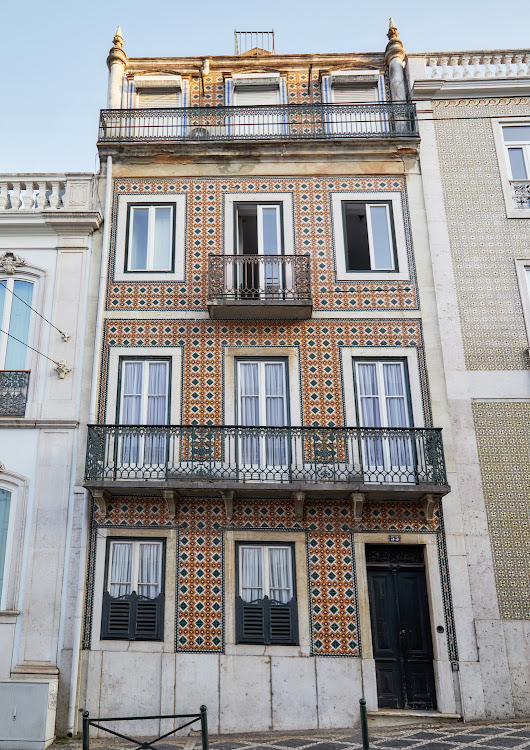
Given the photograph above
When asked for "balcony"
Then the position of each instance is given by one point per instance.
(259, 287)
(13, 392)
(388, 463)
(266, 122)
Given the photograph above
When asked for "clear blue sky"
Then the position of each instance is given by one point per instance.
(53, 54)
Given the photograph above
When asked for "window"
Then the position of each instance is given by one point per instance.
(158, 98)
(133, 602)
(383, 402)
(368, 236)
(150, 237)
(266, 609)
(517, 143)
(5, 507)
(258, 90)
(15, 298)
(258, 229)
(143, 401)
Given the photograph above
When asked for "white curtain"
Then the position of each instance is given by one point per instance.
(279, 574)
(5, 503)
(149, 578)
(162, 249)
(155, 445)
(396, 409)
(249, 410)
(131, 411)
(275, 412)
(370, 411)
(251, 573)
(121, 569)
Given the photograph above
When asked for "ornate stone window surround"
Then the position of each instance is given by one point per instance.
(178, 274)
(156, 352)
(380, 353)
(230, 200)
(394, 198)
(301, 573)
(512, 212)
(17, 485)
(522, 268)
(168, 644)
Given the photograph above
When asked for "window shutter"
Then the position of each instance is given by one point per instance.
(149, 619)
(250, 623)
(158, 99)
(116, 617)
(252, 96)
(354, 94)
(284, 623)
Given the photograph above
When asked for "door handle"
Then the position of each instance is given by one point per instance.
(403, 632)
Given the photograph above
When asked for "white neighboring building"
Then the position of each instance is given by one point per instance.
(46, 256)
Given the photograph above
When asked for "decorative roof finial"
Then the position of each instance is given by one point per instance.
(117, 54)
(392, 30)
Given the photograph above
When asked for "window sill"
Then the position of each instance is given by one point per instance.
(8, 616)
(255, 649)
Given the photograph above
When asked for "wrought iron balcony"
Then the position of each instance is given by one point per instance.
(259, 286)
(324, 460)
(265, 122)
(13, 392)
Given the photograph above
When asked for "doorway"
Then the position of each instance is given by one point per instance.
(401, 628)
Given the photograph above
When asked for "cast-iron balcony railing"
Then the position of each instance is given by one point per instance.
(265, 122)
(13, 392)
(260, 286)
(326, 457)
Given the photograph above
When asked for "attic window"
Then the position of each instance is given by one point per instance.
(354, 86)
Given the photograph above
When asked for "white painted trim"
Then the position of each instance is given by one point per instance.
(504, 166)
(180, 239)
(147, 352)
(286, 199)
(522, 268)
(410, 354)
(262, 352)
(17, 485)
(394, 198)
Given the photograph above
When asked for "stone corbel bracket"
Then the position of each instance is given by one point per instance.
(429, 503)
(298, 502)
(62, 369)
(171, 498)
(228, 498)
(101, 498)
(357, 501)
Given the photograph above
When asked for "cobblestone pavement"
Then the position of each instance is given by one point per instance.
(490, 736)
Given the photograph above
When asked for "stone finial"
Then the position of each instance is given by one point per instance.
(116, 53)
(392, 32)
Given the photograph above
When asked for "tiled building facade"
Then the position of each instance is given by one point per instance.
(266, 460)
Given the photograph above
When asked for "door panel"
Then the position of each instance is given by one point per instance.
(401, 631)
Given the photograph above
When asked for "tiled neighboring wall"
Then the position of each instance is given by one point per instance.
(503, 431)
(484, 242)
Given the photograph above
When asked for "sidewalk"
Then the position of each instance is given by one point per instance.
(488, 736)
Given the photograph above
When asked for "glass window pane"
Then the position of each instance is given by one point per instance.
(138, 242)
(132, 393)
(356, 237)
(251, 573)
(5, 503)
(271, 241)
(3, 293)
(280, 574)
(162, 249)
(382, 247)
(149, 574)
(19, 326)
(517, 164)
(516, 133)
(121, 568)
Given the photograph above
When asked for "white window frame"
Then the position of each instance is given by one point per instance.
(119, 353)
(382, 396)
(259, 213)
(265, 566)
(18, 486)
(402, 271)
(522, 267)
(135, 570)
(179, 238)
(371, 249)
(5, 318)
(261, 362)
(286, 215)
(144, 396)
(151, 224)
(512, 212)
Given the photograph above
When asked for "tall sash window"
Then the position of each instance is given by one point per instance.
(15, 297)
(262, 402)
(5, 506)
(259, 233)
(383, 401)
(144, 401)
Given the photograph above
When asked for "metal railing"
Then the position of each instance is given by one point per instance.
(276, 122)
(145, 744)
(266, 454)
(13, 392)
(521, 193)
(268, 278)
(245, 41)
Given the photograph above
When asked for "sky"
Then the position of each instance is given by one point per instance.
(54, 73)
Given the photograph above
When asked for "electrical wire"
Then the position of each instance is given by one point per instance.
(35, 311)
(28, 346)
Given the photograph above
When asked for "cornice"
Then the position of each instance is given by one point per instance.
(458, 88)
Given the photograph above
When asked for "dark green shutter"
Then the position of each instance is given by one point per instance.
(266, 622)
(130, 618)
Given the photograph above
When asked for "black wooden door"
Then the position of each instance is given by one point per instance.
(401, 629)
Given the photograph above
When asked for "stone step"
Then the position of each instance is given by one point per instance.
(396, 717)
